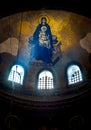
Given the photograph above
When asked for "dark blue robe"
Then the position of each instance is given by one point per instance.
(41, 52)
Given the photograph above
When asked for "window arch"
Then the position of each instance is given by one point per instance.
(16, 74)
(45, 80)
(74, 74)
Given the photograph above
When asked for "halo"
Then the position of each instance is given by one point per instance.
(47, 18)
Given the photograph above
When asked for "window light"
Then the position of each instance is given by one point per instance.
(74, 74)
(16, 74)
(45, 80)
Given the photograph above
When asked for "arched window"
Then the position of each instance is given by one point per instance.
(74, 74)
(45, 80)
(16, 74)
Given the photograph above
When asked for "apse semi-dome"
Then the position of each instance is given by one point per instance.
(44, 55)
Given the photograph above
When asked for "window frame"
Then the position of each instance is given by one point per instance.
(81, 70)
(24, 77)
(37, 78)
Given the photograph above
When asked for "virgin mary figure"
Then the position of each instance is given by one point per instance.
(43, 42)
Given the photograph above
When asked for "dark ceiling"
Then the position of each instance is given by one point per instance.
(78, 6)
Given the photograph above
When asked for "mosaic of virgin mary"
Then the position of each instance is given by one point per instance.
(42, 43)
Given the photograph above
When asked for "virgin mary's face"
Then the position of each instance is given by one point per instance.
(43, 21)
